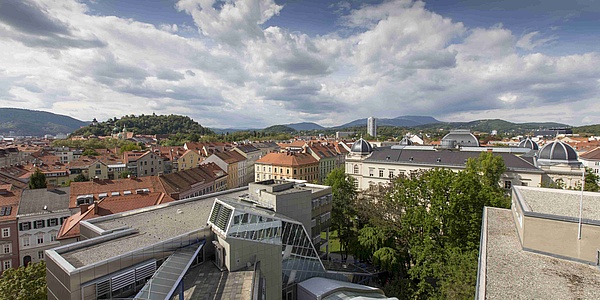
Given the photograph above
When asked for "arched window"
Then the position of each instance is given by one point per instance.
(355, 169)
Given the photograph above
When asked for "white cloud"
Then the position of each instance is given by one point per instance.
(393, 59)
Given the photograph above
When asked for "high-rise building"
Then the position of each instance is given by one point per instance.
(372, 126)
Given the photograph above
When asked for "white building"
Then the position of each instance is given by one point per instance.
(41, 213)
(372, 126)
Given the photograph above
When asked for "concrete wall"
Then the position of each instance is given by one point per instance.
(238, 253)
(561, 238)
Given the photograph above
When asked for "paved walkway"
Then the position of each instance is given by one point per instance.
(206, 281)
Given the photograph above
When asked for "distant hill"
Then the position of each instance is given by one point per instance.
(588, 129)
(305, 126)
(279, 128)
(488, 125)
(145, 124)
(402, 121)
(25, 122)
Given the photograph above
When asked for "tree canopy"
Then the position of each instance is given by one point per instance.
(37, 180)
(145, 124)
(425, 228)
(343, 207)
(24, 283)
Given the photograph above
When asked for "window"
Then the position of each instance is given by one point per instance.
(39, 224)
(97, 166)
(24, 226)
(52, 222)
(98, 172)
(40, 238)
(52, 237)
(391, 173)
(41, 254)
(356, 183)
(355, 169)
(7, 264)
(380, 172)
(371, 170)
(7, 248)
(5, 232)
(25, 241)
(507, 184)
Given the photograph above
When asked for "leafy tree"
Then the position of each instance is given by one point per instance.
(24, 283)
(90, 152)
(425, 228)
(80, 178)
(124, 174)
(37, 180)
(343, 212)
(129, 147)
(591, 181)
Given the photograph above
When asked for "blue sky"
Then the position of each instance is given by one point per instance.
(256, 63)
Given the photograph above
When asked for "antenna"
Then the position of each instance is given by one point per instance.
(581, 202)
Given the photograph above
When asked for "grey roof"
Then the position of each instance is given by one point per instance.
(463, 137)
(154, 224)
(361, 146)
(528, 143)
(321, 287)
(33, 201)
(247, 148)
(511, 273)
(558, 152)
(562, 203)
(442, 158)
(406, 141)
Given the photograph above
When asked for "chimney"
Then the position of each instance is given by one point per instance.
(96, 207)
(84, 208)
(50, 187)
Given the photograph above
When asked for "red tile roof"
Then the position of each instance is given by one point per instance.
(184, 180)
(108, 186)
(9, 197)
(230, 157)
(288, 159)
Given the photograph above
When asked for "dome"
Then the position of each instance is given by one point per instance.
(557, 152)
(528, 143)
(406, 141)
(461, 137)
(361, 146)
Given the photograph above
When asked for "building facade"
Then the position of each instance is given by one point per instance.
(372, 126)
(288, 165)
(40, 215)
(9, 235)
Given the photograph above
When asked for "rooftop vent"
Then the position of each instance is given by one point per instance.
(114, 194)
(127, 193)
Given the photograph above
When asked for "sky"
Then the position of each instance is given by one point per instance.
(256, 63)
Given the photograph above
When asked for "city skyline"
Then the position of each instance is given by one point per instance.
(262, 62)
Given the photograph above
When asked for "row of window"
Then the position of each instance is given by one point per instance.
(24, 226)
(287, 170)
(39, 238)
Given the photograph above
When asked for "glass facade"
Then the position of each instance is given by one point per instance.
(300, 260)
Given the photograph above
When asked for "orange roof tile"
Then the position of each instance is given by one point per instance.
(288, 159)
(108, 186)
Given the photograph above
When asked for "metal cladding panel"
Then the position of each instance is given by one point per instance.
(123, 280)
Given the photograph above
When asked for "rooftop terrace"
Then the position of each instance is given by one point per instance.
(564, 202)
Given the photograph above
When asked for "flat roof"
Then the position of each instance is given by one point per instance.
(154, 224)
(564, 203)
(511, 273)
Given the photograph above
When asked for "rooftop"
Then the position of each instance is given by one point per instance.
(34, 201)
(539, 276)
(288, 159)
(153, 224)
(566, 205)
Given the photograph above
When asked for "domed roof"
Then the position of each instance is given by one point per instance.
(462, 137)
(557, 152)
(361, 146)
(406, 141)
(528, 143)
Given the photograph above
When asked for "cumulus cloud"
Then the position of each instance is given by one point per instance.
(389, 59)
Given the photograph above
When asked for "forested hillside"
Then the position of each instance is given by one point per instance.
(36, 123)
(145, 124)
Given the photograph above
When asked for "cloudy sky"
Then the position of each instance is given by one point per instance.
(256, 63)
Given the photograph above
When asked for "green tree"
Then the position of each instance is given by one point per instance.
(129, 147)
(124, 174)
(90, 152)
(591, 181)
(37, 180)
(343, 214)
(24, 283)
(80, 178)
